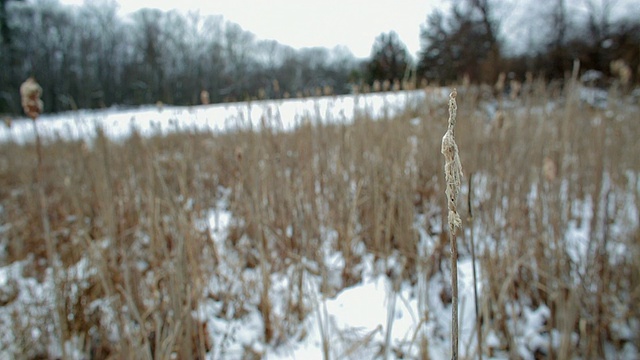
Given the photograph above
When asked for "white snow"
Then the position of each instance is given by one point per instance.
(151, 120)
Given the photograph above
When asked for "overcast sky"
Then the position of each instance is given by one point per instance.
(356, 23)
(305, 23)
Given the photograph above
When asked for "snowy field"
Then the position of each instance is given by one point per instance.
(379, 317)
(158, 120)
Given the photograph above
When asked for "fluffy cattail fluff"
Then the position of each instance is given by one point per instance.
(30, 93)
(452, 166)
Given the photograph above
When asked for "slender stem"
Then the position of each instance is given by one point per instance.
(454, 294)
(59, 314)
(473, 263)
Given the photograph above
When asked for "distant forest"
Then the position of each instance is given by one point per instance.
(89, 57)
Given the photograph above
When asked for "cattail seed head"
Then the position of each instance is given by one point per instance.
(452, 166)
(204, 97)
(30, 93)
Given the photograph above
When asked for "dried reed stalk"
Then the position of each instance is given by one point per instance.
(453, 175)
(473, 264)
(30, 92)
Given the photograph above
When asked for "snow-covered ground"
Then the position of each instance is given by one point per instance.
(359, 320)
(279, 114)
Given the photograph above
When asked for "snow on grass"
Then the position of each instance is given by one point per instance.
(355, 322)
(27, 308)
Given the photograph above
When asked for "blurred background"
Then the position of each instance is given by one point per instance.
(95, 54)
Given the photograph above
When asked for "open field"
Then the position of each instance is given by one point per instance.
(323, 237)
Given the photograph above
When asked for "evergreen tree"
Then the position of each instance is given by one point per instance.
(389, 59)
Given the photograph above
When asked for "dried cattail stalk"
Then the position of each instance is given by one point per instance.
(529, 78)
(30, 93)
(452, 167)
(515, 86)
(549, 169)
(500, 83)
(453, 176)
(498, 120)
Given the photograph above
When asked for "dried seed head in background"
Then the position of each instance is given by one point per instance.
(500, 83)
(621, 70)
(549, 169)
(30, 93)
(204, 97)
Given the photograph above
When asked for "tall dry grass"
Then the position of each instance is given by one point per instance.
(546, 166)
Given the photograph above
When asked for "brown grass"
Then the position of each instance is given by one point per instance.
(131, 208)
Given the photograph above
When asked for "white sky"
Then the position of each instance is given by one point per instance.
(356, 23)
(309, 23)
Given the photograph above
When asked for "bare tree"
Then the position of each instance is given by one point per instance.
(5, 31)
(464, 42)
